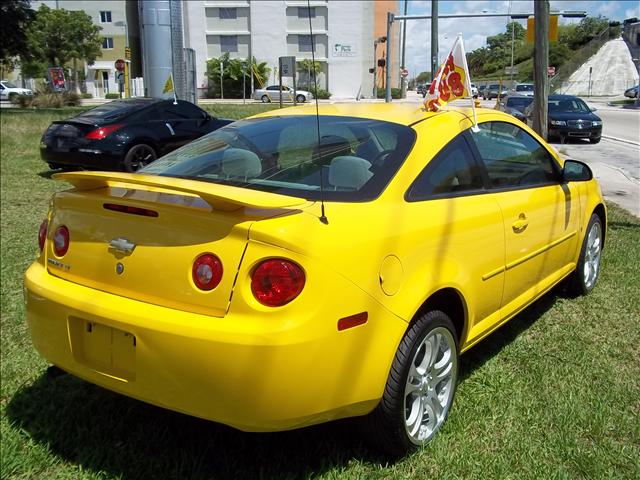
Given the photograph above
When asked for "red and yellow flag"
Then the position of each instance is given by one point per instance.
(452, 79)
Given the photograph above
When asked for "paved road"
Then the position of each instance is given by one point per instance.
(621, 123)
(615, 164)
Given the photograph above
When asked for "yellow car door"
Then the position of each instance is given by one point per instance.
(458, 238)
(540, 212)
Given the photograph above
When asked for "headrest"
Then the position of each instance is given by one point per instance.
(349, 172)
(237, 162)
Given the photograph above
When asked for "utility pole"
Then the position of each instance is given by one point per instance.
(434, 38)
(403, 80)
(387, 97)
(540, 67)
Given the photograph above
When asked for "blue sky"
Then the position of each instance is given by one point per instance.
(476, 30)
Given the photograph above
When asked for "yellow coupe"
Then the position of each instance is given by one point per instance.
(290, 269)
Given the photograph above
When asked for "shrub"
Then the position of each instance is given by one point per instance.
(70, 99)
(47, 100)
(21, 100)
(86, 95)
(112, 96)
(321, 94)
(395, 93)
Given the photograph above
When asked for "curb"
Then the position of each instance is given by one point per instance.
(622, 140)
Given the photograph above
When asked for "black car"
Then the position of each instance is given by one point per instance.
(570, 117)
(125, 134)
(515, 105)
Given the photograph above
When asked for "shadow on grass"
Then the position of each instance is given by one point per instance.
(106, 432)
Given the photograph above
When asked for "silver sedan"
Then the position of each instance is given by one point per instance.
(272, 94)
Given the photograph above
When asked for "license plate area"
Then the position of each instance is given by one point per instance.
(105, 349)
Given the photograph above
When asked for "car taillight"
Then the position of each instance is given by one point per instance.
(276, 282)
(42, 233)
(207, 271)
(102, 132)
(61, 241)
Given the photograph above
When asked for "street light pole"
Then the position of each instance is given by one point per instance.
(403, 80)
(434, 38)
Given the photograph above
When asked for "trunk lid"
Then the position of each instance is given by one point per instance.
(149, 258)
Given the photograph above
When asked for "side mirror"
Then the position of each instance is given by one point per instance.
(575, 171)
(206, 116)
(594, 109)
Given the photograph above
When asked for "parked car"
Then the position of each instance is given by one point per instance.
(272, 94)
(524, 89)
(124, 134)
(290, 269)
(570, 117)
(515, 105)
(422, 88)
(491, 91)
(474, 90)
(632, 92)
(8, 90)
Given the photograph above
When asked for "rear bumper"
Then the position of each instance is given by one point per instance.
(91, 158)
(254, 374)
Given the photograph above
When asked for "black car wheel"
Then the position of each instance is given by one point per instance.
(594, 140)
(265, 99)
(420, 387)
(301, 99)
(138, 156)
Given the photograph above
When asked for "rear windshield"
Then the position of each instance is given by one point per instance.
(494, 87)
(356, 157)
(112, 110)
(524, 88)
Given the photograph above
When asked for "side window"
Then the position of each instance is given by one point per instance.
(512, 157)
(147, 115)
(452, 171)
(182, 111)
(272, 87)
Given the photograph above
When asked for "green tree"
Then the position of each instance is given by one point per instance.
(308, 70)
(58, 36)
(423, 77)
(232, 75)
(15, 16)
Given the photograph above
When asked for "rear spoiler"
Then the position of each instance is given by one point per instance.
(219, 197)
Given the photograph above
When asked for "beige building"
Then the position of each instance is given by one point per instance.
(118, 20)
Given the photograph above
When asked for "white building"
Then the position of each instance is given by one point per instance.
(343, 30)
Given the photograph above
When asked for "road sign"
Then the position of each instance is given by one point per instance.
(553, 29)
(551, 71)
(127, 53)
(119, 64)
(511, 70)
(404, 73)
(287, 66)
(120, 78)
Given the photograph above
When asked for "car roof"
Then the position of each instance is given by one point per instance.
(402, 113)
(563, 97)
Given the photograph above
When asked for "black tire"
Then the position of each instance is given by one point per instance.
(594, 140)
(265, 99)
(580, 282)
(386, 427)
(301, 98)
(138, 156)
(13, 97)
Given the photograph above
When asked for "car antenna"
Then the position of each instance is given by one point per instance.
(323, 217)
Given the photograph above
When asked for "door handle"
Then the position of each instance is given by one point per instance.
(521, 224)
(170, 128)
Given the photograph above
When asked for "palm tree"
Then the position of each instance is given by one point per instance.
(310, 69)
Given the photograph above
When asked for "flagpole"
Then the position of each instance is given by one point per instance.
(468, 82)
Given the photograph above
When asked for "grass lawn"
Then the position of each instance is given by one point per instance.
(553, 394)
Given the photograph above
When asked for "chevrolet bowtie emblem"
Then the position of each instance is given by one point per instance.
(122, 245)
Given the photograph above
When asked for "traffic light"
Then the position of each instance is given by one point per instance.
(382, 62)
